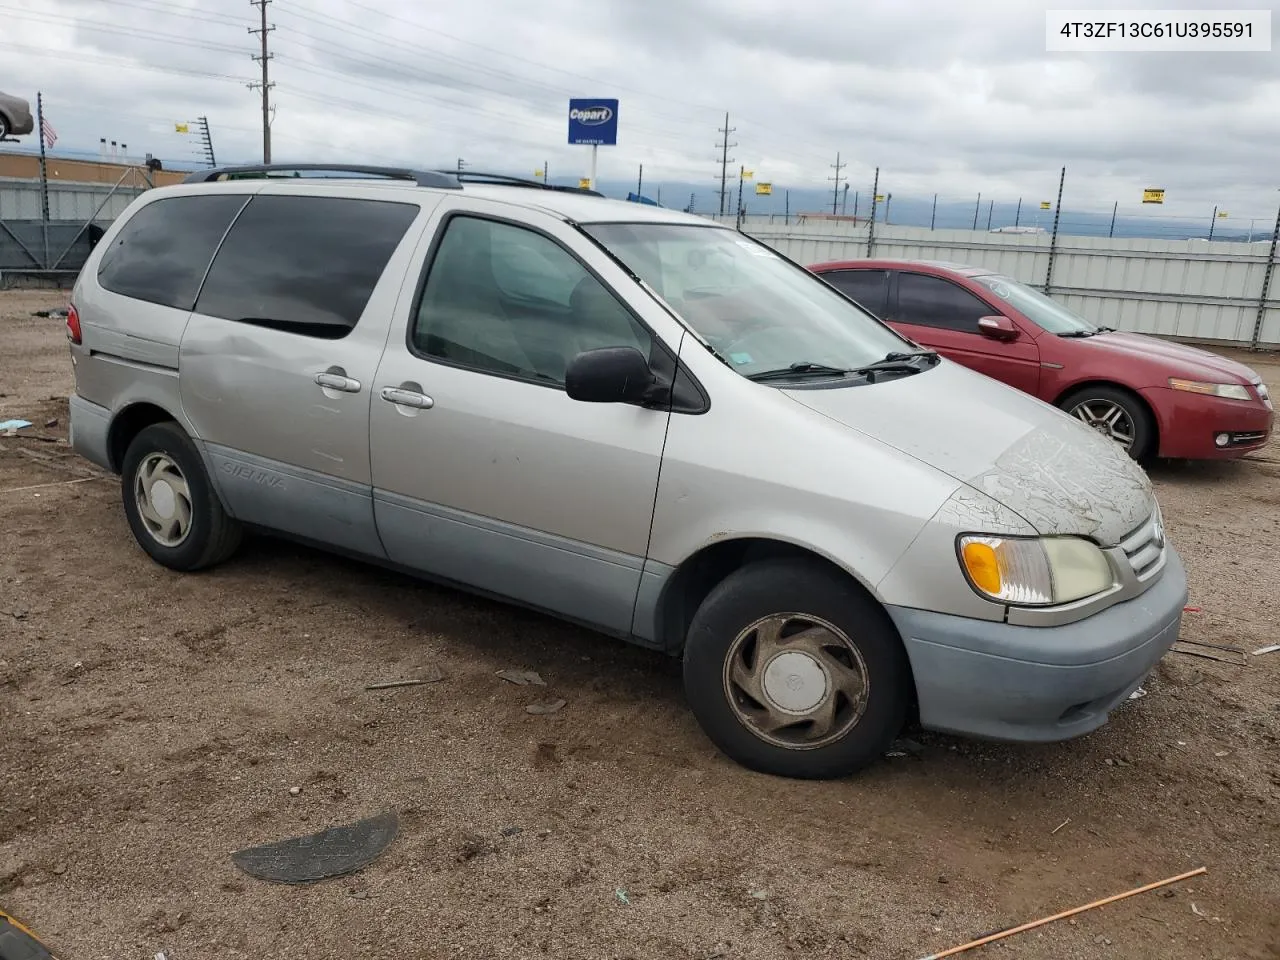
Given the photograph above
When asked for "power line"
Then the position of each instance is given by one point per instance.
(265, 84)
(725, 159)
(132, 32)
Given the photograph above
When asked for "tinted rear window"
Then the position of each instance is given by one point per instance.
(865, 286)
(161, 254)
(304, 264)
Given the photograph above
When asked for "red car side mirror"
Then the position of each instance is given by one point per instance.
(998, 328)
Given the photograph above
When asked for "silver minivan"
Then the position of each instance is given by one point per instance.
(630, 418)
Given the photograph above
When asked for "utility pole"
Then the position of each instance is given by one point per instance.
(265, 84)
(933, 217)
(788, 207)
(976, 207)
(991, 206)
(1212, 220)
(546, 171)
(1017, 216)
(461, 164)
(835, 193)
(1115, 207)
(844, 200)
(725, 160)
(640, 182)
(888, 199)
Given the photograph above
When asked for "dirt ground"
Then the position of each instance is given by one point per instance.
(153, 723)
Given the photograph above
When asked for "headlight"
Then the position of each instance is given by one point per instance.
(1230, 391)
(1034, 571)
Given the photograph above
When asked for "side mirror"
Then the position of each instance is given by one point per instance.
(998, 328)
(611, 375)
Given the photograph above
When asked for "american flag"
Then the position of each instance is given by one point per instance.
(47, 133)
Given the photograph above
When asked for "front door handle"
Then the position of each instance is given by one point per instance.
(338, 381)
(407, 398)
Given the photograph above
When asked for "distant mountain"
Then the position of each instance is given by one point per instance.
(903, 211)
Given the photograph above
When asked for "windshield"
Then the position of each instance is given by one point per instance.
(759, 312)
(1049, 314)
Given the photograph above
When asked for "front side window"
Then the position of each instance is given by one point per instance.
(1048, 314)
(934, 302)
(304, 264)
(507, 300)
(162, 253)
(760, 313)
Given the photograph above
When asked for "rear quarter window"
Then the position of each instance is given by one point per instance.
(307, 265)
(163, 251)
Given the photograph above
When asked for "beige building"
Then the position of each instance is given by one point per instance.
(25, 166)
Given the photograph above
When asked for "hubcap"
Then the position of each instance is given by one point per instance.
(164, 499)
(796, 681)
(1109, 419)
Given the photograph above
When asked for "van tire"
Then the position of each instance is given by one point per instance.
(814, 604)
(183, 489)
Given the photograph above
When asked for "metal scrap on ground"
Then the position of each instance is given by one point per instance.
(317, 856)
(431, 676)
(544, 707)
(1022, 928)
(522, 677)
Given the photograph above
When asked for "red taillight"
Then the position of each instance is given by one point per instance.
(73, 325)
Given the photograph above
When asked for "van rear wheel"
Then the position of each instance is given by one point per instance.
(793, 669)
(169, 500)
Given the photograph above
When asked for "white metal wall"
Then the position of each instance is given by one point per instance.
(20, 200)
(1188, 289)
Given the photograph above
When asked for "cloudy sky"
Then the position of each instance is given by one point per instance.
(946, 96)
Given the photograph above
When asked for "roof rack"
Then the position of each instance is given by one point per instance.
(424, 178)
(480, 176)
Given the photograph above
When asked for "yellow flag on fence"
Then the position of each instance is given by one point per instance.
(584, 183)
(879, 198)
(537, 173)
(764, 189)
(1153, 195)
(1046, 205)
(747, 174)
(1222, 214)
(181, 128)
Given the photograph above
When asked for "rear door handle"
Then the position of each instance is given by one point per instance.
(338, 381)
(407, 398)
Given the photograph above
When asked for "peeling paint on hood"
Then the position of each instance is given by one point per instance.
(1053, 471)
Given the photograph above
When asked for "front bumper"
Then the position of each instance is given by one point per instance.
(1189, 422)
(1044, 683)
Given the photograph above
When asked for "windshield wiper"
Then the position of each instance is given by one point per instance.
(1106, 329)
(798, 371)
(1080, 333)
(898, 362)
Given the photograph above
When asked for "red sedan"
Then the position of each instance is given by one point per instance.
(1153, 396)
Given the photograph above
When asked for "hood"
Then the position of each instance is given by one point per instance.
(1049, 468)
(1179, 359)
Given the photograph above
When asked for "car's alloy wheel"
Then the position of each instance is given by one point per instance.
(1115, 413)
(1108, 418)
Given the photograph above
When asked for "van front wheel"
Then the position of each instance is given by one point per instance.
(793, 669)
